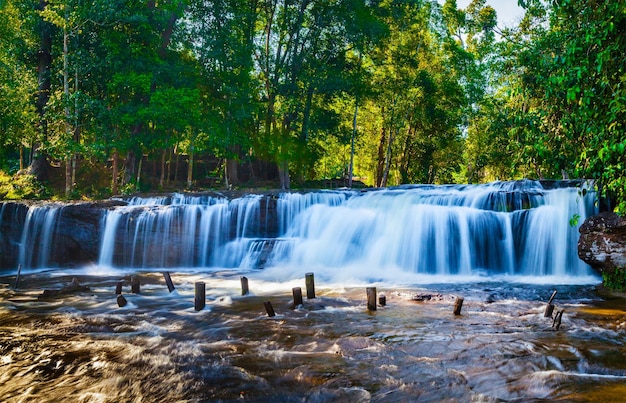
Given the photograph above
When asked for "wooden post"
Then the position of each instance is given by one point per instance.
(135, 285)
(244, 285)
(17, 277)
(458, 304)
(371, 298)
(297, 296)
(168, 281)
(310, 285)
(269, 309)
(556, 323)
(118, 287)
(550, 306)
(121, 301)
(382, 300)
(552, 297)
(200, 296)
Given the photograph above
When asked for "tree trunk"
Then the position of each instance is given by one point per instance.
(139, 171)
(39, 162)
(68, 176)
(232, 166)
(381, 157)
(388, 156)
(115, 173)
(351, 170)
(190, 169)
(129, 168)
(177, 155)
(168, 177)
(162, 178)
(283, 175)
(68, 127)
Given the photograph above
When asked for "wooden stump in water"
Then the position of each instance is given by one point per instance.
(118, 287)
(458, 304)
(168, 281)
(382, 300)
(73, 287)
(550, 306)
(297, 296)
(269, 309)
(200, 296)
(244, 285)
(17, 277)
(135, 285)
(556, 323)
(121, 301)
(371, 298)
(310, 285)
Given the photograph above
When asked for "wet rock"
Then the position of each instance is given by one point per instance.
(602, 242)
(73, 287)
(423, 297)
(12, 217)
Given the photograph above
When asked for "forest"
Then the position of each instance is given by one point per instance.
(108, 97)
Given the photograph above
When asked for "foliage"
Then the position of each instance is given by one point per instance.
(426, 92)
(22, 185)
(615, 280)
(17, 86)
(562, 110)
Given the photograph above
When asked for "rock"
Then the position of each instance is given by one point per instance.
(12, 217)
(422, 297)
(74, 287)
(602, 242)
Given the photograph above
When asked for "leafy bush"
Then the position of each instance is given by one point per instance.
(615, 280)
(22, 185)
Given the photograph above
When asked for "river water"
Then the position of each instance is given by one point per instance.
(503, 247)
(82, 347)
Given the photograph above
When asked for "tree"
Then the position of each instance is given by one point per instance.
(567, 79)
(222, 40)
(17, 85)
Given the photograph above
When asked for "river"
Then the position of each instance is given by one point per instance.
(82, 347)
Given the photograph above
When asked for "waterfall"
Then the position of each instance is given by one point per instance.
(502, 228)
(37, 236)
(507, 228)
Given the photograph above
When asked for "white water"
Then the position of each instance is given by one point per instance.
(37, 235)
(503, 229)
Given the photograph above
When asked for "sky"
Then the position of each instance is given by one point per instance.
(509, 13)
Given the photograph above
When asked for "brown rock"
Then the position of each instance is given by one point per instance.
(602, 242)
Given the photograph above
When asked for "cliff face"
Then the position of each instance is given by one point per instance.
(12, 217)
(602, 242)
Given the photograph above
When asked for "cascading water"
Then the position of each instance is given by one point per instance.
(37, 236)
(502, 228)
(455, 230)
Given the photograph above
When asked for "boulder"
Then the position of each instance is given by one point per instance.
(602, 242)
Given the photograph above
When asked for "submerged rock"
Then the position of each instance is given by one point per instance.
(602, 242)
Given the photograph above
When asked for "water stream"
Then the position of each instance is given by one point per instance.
(83, 347)
(503, 247)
